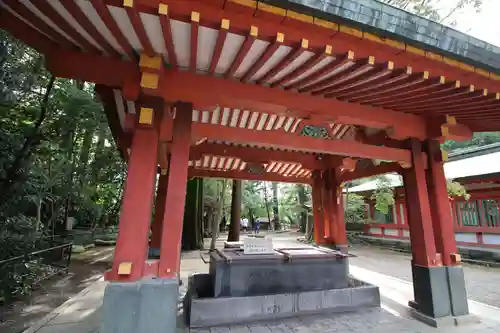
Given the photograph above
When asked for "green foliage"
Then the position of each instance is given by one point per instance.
(57, 157)
(456, 189)
(315, 132)
(355, 209)
(478, 140)
(431, 8)
(383, 194)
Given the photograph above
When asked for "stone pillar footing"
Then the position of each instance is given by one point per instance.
(440, 296)
(144, 306)
(342, 248)
(448, 321)
(154, 253)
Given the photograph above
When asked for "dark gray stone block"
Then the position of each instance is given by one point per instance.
(158, 306)
(249, 275)
(203, 312)
(430, 287)
(153, 253)
(145, 306)
(120, 311)
(458, 292)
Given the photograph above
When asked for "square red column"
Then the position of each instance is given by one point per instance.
(176, 192)
(340, 240)
(333, 208)
(419, 212)
(444, 233)
(439, 290)
(328, 209)
(161, 196)
(318, 213)
(132, 243)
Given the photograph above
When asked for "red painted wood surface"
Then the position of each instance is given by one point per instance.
(137, 204)
(281, 139)
(176, 192)
(419, 212)
(244, 175)
(442, 221)
(318, 213)
(157, 225)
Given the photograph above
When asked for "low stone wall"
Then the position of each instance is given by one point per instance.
(202, 310)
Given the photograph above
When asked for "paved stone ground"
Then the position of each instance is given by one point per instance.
(367, 321)
(82, 313)
(85, 269)
(483, 283)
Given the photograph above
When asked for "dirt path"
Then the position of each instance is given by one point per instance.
(84, 269)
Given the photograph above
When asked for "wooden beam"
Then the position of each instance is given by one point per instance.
(213, 91)
(219, 44)
(372, 171)
(258, 155)
(195, 25)
(111, 72)
(167, 35)
(320, 34)
(20, 9)
(20, 30)
(283, 140)
(103, 11)
(244, 175)
(75, 10)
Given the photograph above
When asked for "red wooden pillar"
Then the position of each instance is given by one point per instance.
(176, 192)
(318, 213)
(444, 234)
(137, 203)
(161, 196)
(328, 209)
(338, 202)
(419, 212)
(334, 209)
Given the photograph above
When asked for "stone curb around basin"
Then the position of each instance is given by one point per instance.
(205, 312)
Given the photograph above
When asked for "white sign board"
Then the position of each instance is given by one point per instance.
(258, 246)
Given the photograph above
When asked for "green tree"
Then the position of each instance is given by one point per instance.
(430, 8)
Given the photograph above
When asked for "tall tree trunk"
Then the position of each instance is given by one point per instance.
(234, 226)
(190, 239)
(276, 217)
(301, 192)
(14, 175)
(69, 180)
(309, 228)
(38, 213)
(200, 225)
(266, 202)
(218, 213)
(83, 160)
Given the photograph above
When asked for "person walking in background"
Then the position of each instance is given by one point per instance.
(244, 224)
(257, 225)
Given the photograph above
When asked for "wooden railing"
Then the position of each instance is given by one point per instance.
(477, 223)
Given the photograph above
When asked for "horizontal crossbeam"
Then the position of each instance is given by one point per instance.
(257, 155)
(244, 175)
(212, 92)
(282, 140)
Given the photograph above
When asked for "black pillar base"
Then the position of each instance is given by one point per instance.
(439, 291)
(153, 253)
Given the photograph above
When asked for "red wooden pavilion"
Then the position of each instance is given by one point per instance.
(247, 90)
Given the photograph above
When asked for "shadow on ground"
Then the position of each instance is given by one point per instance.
(85, 269)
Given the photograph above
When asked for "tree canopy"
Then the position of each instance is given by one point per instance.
(57, 156)
(432, 9)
